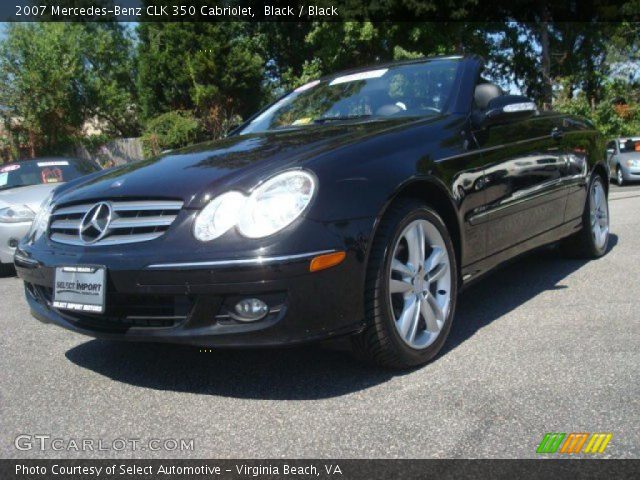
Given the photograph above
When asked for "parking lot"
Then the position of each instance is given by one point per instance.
(543, 345)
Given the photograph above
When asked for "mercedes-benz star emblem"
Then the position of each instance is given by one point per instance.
(95, 223)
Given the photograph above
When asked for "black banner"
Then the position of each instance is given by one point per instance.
(318, 469)
(317, 10)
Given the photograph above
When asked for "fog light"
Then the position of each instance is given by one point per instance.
(250, 310)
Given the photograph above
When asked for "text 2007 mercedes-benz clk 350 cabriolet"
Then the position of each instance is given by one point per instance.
(358, 204)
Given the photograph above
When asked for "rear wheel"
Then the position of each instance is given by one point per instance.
(592, 240)
(411, 288)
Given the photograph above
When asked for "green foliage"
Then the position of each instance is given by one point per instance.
(205, 67)
(41, 73)
(56, 76)
(618, 114)
(170, 130)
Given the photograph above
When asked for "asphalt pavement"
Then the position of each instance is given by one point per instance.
(545, 344)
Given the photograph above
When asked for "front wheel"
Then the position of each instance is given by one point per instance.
(411, 288)
(619, 176)
(592, 240)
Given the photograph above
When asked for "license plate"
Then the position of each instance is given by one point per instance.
(80, 288)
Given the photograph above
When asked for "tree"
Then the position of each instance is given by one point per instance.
(56, 76)
(110, 72)
(214, 69)
(40, 83)
(342, 45)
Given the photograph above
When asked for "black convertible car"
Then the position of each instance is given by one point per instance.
(358, 204)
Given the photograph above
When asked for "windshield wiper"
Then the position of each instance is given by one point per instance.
(340, 119)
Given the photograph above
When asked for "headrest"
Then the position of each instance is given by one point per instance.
(485, 92)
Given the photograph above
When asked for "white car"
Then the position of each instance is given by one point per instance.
(623, 156)
(24, 185)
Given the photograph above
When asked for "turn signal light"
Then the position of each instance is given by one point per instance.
(327, 260)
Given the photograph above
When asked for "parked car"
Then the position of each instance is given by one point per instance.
(359, 204)
(623, 156)
(23, 187)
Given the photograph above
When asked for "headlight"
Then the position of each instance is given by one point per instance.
(276, 203)
(41, 220)
(16, 214)
(633, 163)
(271, 207)
(218, 216)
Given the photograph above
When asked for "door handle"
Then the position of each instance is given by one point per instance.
(557, 133)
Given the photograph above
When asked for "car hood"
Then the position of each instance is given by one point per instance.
(31, 196)
(630, 156)
(196, 173)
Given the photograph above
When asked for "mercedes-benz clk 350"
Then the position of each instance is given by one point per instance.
(358, 205)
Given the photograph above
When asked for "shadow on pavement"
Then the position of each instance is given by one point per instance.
(311, 372)
(268, 374)
(508, 288)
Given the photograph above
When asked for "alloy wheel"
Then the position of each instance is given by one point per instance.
(420, 284)
(599, 214)
(619, 176)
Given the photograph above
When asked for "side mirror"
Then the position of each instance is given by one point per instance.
(610, 151)
(507, 108)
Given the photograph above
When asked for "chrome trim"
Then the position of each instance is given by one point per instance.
(63, 230)
(123, 222)
(122, 206)
(66, 224)
(240, 261)
(110, 240)
(126, 222)
(25, 260)
(224, 316)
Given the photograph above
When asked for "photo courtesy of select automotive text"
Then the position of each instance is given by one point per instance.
(319, 239)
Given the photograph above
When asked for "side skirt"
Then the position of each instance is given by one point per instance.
(477, 270)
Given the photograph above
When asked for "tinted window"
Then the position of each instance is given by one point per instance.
(418, 89)
(629, 145)
(35, 172)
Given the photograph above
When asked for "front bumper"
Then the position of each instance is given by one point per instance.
(630, 174)
(189, 302)
(10, 235)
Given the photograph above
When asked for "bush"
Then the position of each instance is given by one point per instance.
(170, 130)
(616, 115)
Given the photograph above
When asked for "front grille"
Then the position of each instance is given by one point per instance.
(131, 221)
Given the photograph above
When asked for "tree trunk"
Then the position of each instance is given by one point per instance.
(547, 83)
(32, 144)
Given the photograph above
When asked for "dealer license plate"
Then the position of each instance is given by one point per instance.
(80, 288)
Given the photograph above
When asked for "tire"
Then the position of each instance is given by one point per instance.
(593, 238)
(425, 310)
(7, 270)
(619, 176)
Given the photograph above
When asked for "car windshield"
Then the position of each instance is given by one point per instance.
(417, 89)
(35, 172)
(629, 145)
